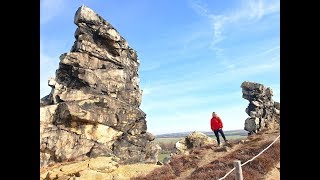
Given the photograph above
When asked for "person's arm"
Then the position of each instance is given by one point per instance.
(220, 121)
(211, 124)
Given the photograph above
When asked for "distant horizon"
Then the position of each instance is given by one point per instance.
(198, 131)
(193, 54)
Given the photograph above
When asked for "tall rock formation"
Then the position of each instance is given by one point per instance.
(93, 108)
(263, 111)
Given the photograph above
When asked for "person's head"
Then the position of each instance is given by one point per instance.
(214, 114)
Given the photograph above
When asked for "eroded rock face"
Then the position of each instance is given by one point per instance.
(100, 168)
(193, 140)
(93, 108)
(263, 111)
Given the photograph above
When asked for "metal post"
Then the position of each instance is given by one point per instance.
(238, 170)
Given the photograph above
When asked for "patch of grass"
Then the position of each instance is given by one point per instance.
(165, 172)
(161, 156)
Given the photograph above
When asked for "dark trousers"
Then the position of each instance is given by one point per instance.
(216, 133)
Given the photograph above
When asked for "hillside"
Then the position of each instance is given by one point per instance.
(209, 162)
(212, 162)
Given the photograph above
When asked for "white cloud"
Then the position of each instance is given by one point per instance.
(199, 7)
(271, 50)
(218, 23)
(215, 27)
(256, 9)
(250, 11)
(49, 9)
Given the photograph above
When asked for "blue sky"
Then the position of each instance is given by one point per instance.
(194, 54)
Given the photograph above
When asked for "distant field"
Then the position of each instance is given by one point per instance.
(208, 133)
(161, 156)
(168, 140)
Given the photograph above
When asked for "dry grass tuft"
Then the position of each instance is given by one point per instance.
(177, 165)
(255, 169)
(165, 172)
(182, 163)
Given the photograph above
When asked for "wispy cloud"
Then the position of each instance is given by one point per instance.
(250, 11)
(201, 35)
(49, 9)
(271, 50)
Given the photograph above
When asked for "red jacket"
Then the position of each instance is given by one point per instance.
(216, 123)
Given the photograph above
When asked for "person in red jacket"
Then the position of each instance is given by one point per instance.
(216, 126)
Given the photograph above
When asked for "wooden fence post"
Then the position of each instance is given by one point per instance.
(238, 170)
